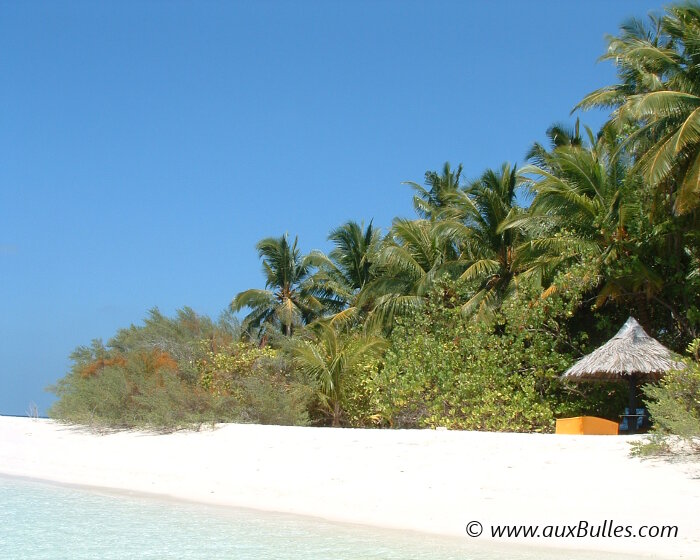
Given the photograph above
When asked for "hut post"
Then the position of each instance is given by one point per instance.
(632, 403)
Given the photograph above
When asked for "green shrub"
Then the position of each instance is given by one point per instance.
(175, 373)
(267, 401)
(449, 373)
(444, 370)
(260, 381)
(359, 396)
(674, 407)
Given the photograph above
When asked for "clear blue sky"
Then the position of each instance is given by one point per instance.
(146, 147)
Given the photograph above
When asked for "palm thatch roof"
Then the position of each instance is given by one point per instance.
(630, 353)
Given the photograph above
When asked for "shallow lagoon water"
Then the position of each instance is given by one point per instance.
(46, 522)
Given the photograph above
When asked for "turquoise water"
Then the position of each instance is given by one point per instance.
(45, 522)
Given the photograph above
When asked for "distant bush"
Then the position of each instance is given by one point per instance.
(176, 373)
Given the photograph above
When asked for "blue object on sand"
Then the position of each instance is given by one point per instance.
(639, 417)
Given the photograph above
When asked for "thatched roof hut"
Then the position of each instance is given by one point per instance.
(630, 355)
(630, 352)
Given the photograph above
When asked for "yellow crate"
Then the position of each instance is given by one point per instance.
(587, 425)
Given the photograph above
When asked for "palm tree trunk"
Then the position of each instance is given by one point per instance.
(336, 414)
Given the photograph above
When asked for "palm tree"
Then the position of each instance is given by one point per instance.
(474, 221)
(288, 299)
(347, 269)
(355, 247)
(585, 197)
(657, 102)
(414, 256)
(328, 358)
(559, 135)
(428, 202)
(579, 189)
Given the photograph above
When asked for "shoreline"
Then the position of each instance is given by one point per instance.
(419, 481)
(480, 547)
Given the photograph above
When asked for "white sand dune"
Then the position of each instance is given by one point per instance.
(424, 480)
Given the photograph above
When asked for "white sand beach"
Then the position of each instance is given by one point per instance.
(423, 480)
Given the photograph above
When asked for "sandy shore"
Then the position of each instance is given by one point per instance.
(428, 481)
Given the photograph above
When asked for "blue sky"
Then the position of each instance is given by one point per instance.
(146, 147)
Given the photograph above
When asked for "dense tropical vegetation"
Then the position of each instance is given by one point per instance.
(464, 315)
